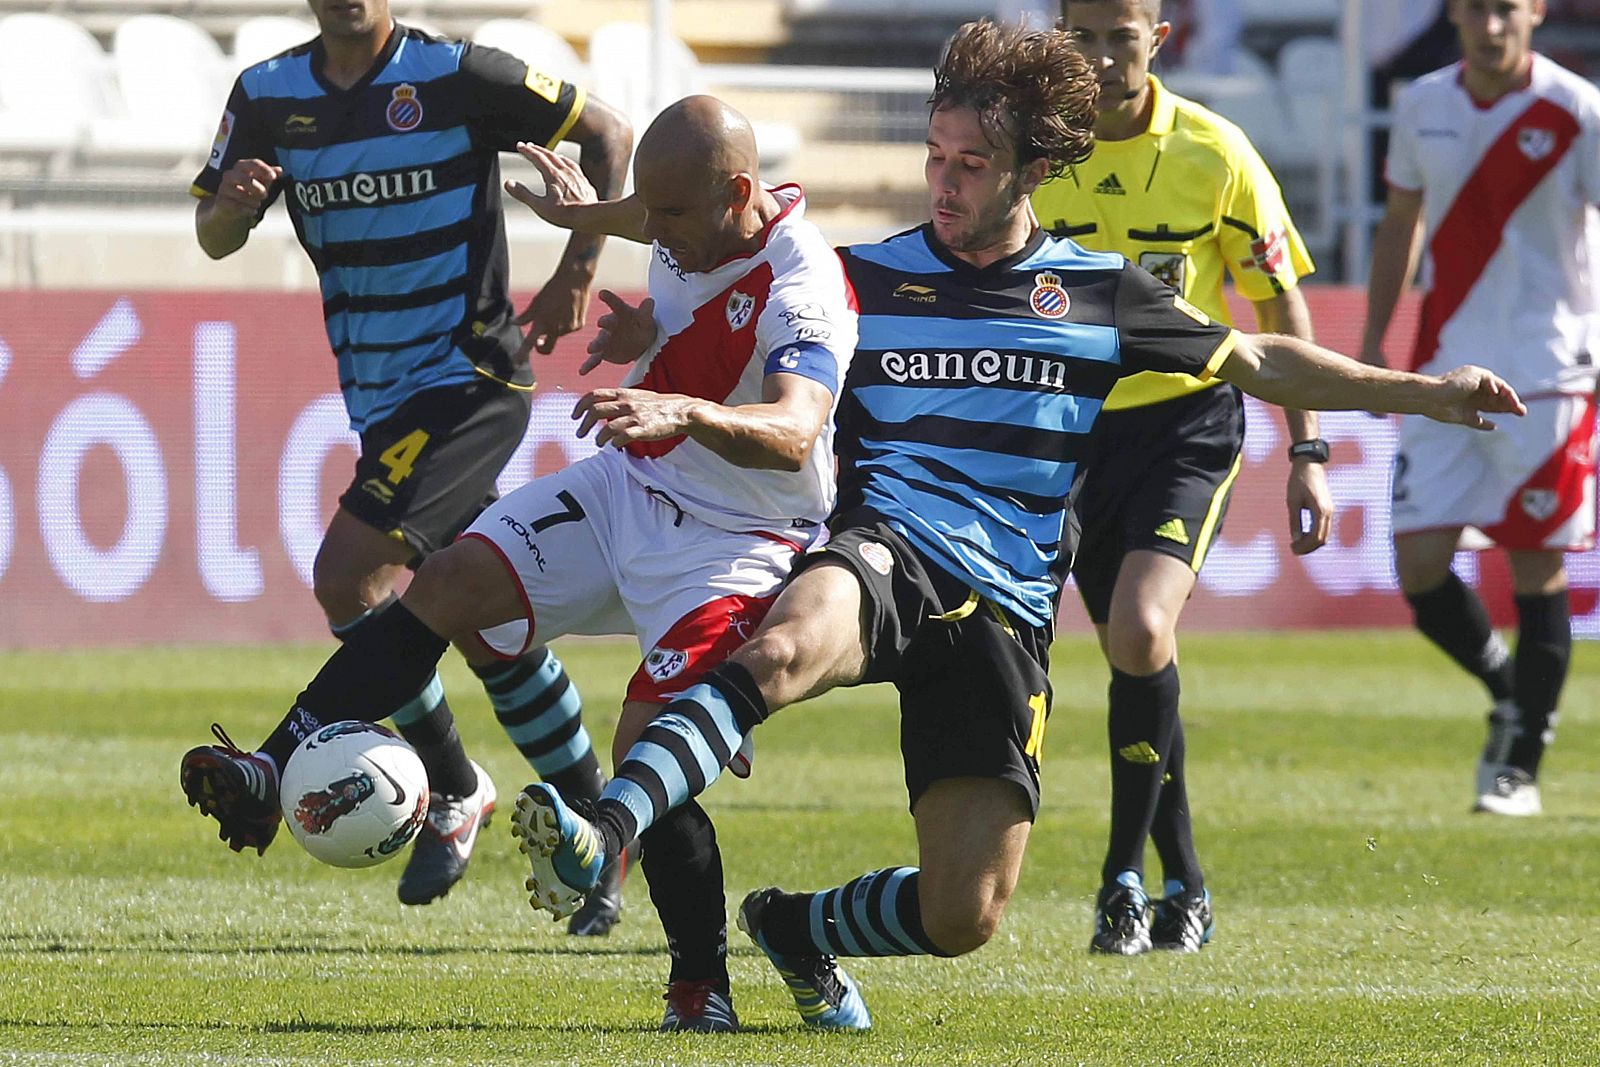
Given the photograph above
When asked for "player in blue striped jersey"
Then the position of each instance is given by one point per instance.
(383, 143)
(986, 351)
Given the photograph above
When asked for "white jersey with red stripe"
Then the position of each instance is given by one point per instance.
(785, 308)
(1513, 239)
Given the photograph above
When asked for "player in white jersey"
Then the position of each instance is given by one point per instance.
(1494, 165)
(713, 476)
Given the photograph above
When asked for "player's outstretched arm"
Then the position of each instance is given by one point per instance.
(1295, 373)
(1396, 246)
(776, 434)
(570, 200)
(604, 139)
(222, 223)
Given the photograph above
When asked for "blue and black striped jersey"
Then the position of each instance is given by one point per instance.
(393, 187)
(973, 390)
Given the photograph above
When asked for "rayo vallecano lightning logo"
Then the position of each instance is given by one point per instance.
(405, 110)
(1048, 299)
(664, 663)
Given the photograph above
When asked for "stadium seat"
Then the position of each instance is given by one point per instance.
(540, 48)
(1311, 80)
(1299, 13)
(265, 36)
(53, 83)
(172, 77)
(1248, 99)
(619, 62)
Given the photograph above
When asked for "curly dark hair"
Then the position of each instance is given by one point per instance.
(1032, 86)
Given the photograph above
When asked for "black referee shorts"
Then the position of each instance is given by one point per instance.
(973, 679)
(426, 471)
(1156, 477)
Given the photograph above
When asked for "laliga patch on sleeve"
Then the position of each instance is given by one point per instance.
(541, 84)
(807, 359)
(219, 143)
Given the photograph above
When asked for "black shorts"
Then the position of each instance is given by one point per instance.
(974, 680)
(1156, 477)
(426, 471)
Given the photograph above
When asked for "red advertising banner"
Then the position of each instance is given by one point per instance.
(169, 461)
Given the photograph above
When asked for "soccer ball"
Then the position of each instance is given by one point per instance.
(354, 794)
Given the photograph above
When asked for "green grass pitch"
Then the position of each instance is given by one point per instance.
(1364, 917)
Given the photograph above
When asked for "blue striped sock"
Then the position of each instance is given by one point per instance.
(878, 914)
(428, 726)
(540, 710)
(681, 752)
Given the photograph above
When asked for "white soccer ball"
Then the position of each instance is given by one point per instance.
(354, 794)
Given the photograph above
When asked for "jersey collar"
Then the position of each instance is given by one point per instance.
(1163, 112)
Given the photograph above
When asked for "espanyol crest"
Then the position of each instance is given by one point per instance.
(405, 110)
(740, 306)
(1536, 143)
(1048, 299)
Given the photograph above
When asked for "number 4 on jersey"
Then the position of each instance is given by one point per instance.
(401, 456)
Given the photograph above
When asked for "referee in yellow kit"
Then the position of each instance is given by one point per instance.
(1182, 192)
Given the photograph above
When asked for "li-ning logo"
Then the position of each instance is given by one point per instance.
(405, 110)
(364, 189)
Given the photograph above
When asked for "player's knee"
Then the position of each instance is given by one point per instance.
(959, 927)
(455, 595)
(1140, 641)
(772, 657)
(338, 589)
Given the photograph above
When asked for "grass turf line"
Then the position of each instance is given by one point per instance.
(1363, 915)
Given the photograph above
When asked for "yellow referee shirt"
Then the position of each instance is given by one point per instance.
(1186, 199)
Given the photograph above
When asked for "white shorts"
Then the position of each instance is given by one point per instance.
(595, 552)
(1527, 485)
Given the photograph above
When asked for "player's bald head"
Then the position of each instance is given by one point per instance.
(700, 135)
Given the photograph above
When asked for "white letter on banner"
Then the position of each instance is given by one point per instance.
(95, 575)
(230, 573)
(321, 427)
(8, 511)
(1247, 569)
(549, 423)
(1340, 569)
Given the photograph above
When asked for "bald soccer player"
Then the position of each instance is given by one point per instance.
(714, 474)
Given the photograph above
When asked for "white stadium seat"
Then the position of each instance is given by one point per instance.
(53, 83)
(265, 36)
(172, 77)
(1311, 79)
(540, 47)
(619, 60)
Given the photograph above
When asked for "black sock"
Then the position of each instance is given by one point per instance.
(1452, 617)
(683, 867)
(381, 666)
(1544, 646)
(425, 722)
(1140, 723)
(1171, 832)
(537, 705)
(878, 914)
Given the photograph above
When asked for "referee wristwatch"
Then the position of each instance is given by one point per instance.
(1315, 450)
